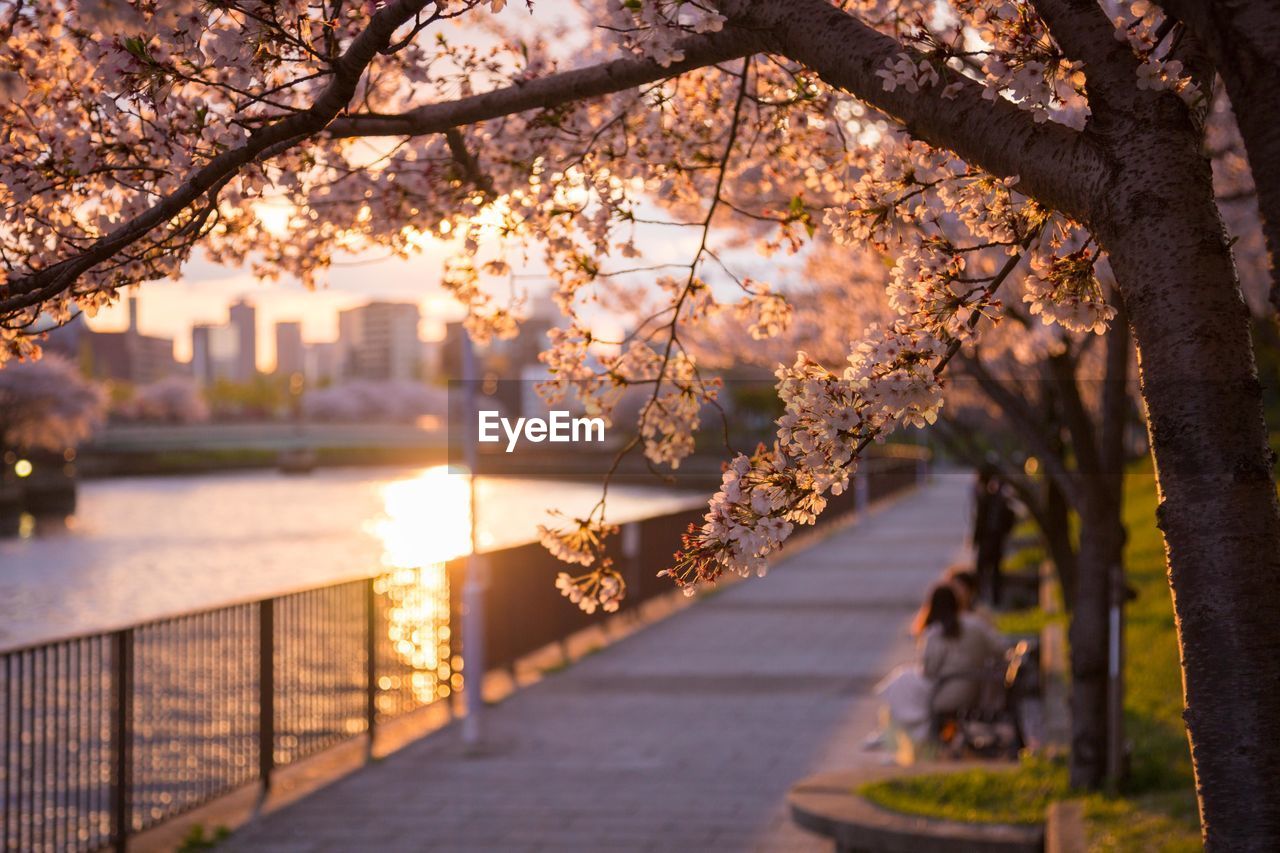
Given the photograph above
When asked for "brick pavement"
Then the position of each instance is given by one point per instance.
(683, 736)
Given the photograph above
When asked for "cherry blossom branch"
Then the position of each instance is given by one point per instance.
(1085, 33)
(25, 291)
(1056, 165)
(762, 497)
(553, 90)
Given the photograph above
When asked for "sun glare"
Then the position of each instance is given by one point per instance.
(426, 519)
(274, 216)
(426, 522)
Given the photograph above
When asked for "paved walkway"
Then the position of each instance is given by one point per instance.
(684, 736)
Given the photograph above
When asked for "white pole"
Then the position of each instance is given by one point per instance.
(473, 588)
(861, 490)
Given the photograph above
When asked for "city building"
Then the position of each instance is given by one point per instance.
(227, 350)
(290, 353)
(214, 353)
(380, 341)
(322, 363)
(244, 319)
(127, 356)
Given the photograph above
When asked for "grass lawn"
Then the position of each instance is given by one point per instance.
(1156, 811)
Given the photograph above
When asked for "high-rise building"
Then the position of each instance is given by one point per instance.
(244, 319)
(380, 341)
(451, 350)
(322, 363)
(215, 353)
(127, 356)
(290, 356)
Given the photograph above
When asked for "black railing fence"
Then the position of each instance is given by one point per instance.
(107, 735)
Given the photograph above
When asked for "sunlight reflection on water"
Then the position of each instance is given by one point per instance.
(426, 521)
(141, 548)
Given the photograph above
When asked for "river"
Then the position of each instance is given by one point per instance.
(140, 548)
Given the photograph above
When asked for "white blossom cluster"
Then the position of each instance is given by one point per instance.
(908, 200)
(582, 543)
(1137, 26)
(603, 588)
(654, 28)
(908, 72)
(1064, 290)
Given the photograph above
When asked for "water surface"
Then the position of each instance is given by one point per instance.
(145, 547)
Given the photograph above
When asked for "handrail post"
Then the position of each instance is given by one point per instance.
(266, 694)
(371, 663)
(476, 578)
(121, 737)
(861, 490)
(473, 651)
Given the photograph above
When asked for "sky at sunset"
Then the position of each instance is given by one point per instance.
(170, 308)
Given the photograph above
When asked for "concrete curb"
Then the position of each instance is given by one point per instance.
(829, 805)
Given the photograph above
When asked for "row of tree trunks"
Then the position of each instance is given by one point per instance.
(1243, 39)
(1217, 499)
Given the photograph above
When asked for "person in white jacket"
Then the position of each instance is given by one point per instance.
(953, 644)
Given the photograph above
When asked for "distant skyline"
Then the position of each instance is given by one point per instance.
(206, 290)
(170, 309)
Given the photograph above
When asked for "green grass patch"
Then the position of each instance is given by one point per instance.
(197, 839)
(976, 796)
(1029, 621)
(1156, 810)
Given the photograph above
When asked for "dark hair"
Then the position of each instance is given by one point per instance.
(942, 608)
(964, 576)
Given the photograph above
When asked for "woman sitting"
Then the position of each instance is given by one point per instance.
(954, 647)
(958, 646)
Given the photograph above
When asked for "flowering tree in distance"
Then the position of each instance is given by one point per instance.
(174, 400)
(1025, 388)
(1069, 130)
(48, 405)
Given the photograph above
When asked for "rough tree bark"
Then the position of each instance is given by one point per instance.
(1243, 40)
(1217, 501)
(1092, 488)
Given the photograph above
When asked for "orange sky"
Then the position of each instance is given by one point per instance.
(170, 308)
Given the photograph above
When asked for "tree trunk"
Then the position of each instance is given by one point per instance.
(1101, 541)
(1217, 500)
(1057, 511)
(1057, 537)
(1243, 39)
(1099, 451)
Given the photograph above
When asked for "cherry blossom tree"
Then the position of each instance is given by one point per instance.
(48, 405)
(1243, 41)
(1028, 388)
(1070, 131)
(174, 399)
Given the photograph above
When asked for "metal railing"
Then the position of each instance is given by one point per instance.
(107, 735)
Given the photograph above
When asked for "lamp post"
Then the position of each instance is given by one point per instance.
(476, 578)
